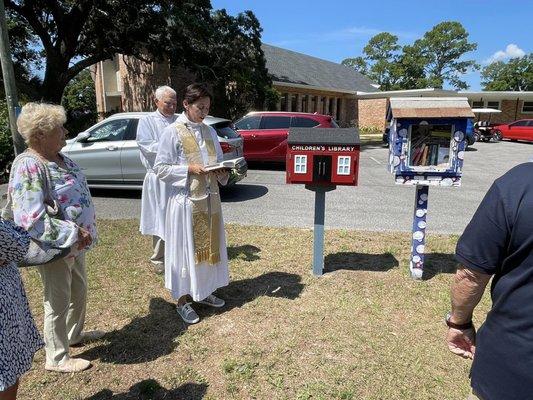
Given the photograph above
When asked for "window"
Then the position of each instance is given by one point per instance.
(110, 131)
(300, 164)
(519, 123)
(302, 122)
(493, 104)
(251, 122)
(527, 107)
(478, 104)
(486, 104)
(274, 122)
(343, 165)
(224, 130)
(430, 145)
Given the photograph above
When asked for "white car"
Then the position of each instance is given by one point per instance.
(109, 156)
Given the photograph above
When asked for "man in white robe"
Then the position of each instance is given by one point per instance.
(155, 192)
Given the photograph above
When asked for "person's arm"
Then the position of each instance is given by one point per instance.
(146, 140)
(467, 290)
(29, 210)
(167, 166)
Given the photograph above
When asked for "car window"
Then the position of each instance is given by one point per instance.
(519, 123)
(110, 131)
(302, 122)
(225, 131)
(251, 122)
(275, 122)
(530, 122)
(131, 133)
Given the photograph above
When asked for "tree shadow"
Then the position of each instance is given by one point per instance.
(242, 192)
(246, 252)
(150, 389)
(271, 284)
(438, 263)
(470, 149)
(267, 165)
(359, 262)
(143, 339)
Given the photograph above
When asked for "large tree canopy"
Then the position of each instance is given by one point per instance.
(76, 34)
(432, 60)
(517, 74)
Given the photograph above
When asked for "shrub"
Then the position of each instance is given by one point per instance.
(6, 144)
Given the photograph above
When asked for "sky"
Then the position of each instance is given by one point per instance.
(337, 29)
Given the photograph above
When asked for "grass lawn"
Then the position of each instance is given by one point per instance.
(364, 330)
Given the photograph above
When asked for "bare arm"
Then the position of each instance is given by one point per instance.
(467, 290)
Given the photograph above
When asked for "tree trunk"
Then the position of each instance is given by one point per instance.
(55, 80)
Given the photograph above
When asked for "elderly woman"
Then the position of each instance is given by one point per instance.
(19, 339)
(64, 280)
(196, 260)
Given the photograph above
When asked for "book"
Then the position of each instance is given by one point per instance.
(234, 163)
(424, 158)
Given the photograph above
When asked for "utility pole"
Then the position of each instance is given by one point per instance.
(9, 82)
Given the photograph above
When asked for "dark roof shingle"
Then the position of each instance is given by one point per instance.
(297, 68)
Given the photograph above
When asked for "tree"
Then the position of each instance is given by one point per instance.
(430, 61)
(442, 48)
(79, 100)
(517, 74)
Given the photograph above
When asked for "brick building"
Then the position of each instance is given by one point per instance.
(514, 105)
(306, 83)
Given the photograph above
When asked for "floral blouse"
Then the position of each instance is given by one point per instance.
(71, 192)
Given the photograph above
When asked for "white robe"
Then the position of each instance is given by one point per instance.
(182, 275)
(155, 192)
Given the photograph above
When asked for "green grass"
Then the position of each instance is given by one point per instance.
(364, 330)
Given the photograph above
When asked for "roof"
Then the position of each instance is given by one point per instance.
(297, 69)
(432, 92)
(434, 107)
(324, 136)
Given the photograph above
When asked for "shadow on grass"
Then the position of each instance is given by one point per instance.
(272, 284)
(150, 389)
(438, 263)
(143, 339)
(359, 262)
(242, 192)
(246, 252)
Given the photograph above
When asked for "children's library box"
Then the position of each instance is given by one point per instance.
(427, 139)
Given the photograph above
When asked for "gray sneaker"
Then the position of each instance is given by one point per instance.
(213, 301)
(187, 313)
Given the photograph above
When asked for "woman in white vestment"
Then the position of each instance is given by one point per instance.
(196, 261)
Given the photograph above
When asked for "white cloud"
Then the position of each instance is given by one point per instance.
(511, 51)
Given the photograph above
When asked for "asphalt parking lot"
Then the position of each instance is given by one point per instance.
(377, 204)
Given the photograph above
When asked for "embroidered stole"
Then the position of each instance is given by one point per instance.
(203, 192)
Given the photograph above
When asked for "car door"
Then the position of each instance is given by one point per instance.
(529, 133)
(271, 138)
(247, 127)
(517, 130)
(99, 154)
(130, 160)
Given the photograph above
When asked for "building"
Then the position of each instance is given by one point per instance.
(306, 83)
(514, 105)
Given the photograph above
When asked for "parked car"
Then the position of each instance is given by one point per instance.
(109, 156)
(518, 130)
(265, 132)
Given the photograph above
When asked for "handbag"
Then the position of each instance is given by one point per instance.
(39, 252)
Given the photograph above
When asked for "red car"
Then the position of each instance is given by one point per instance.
(265, 132)
(518, 130)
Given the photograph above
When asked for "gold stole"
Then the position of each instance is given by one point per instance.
(203, 192)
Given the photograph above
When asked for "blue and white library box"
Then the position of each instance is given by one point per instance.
(427, 139)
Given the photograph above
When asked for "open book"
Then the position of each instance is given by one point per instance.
(227, 164)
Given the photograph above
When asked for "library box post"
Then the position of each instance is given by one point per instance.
(323, 156)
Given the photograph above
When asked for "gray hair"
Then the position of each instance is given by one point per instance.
(39, 117)
(161, 90)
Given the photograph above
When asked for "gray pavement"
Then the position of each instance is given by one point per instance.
(377, 204)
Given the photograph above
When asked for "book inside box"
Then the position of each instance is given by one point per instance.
(430, 146)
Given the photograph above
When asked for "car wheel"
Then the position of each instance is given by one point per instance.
(497, 135)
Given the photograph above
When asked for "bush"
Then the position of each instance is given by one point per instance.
(6, 144)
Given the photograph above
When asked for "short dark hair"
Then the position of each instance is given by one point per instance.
(196, 91)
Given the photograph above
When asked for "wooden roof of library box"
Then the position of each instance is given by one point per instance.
(434, 107)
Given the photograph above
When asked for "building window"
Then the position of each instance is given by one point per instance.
(478, 104)
(527, 107)
(486, 104)
(343, 165)
(300, 164)
(283, 102)
(493, 104)
(305, 104)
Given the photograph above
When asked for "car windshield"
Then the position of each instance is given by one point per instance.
(224, 130)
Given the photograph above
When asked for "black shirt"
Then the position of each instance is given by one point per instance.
(499, 241)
